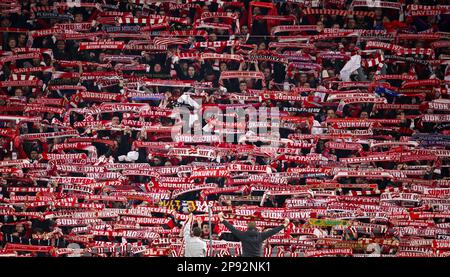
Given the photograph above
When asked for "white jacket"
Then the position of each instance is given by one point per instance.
(194, 246)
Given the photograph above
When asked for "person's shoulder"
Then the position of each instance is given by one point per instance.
(202, 241)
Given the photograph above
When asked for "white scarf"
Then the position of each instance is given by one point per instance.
(353, 64)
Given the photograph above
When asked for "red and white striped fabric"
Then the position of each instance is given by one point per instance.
(140, 20)
(416, 51)
(170, 41)
(372, 62)
(338, 12)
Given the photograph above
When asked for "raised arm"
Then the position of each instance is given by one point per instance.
(239, 234)
(267, 234)
(187, 228)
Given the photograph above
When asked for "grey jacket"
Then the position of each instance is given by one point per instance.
(252, 239)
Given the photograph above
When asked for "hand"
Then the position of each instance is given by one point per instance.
(286, 222)
(190, 217)
(220, 215)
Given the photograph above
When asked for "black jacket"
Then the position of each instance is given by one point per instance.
(252, 239)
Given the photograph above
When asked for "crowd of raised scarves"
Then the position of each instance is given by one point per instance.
(94, 161)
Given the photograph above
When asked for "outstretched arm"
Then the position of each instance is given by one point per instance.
(239, 234)
(187, 228)
(267, 234)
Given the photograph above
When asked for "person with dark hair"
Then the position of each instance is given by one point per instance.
(194, 245)
(242, 86)
(252, 239)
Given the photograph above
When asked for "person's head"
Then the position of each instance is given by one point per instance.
(18, 92)
(51, 225)
(197, 232)
(146, 56)
(223, 66)
(210, 77)
(256, 11)
(78, 18)
(60, 45)
(242, 85)
(205, 229)
(22, 38)
(6, 22)
(242, 39)
(378, 13)
(156, 161)
(34, 155)
(244, 30)
(102, 57)
(251, 225)
(38, 231)
(262, 46)
(46, 42)
(401, 115)
(351, 46)
(12, 43)
(320, 26)
(364, 115)
(157, 68)
(36, 61)
(351, 24)
(191, 71)
(303, 78)
(184, 66)
(115, 120)
(212, 37)
(263, 65)
(250, 83)
(20, 228)
(331, 113)
(221, 32)
(360, 18)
